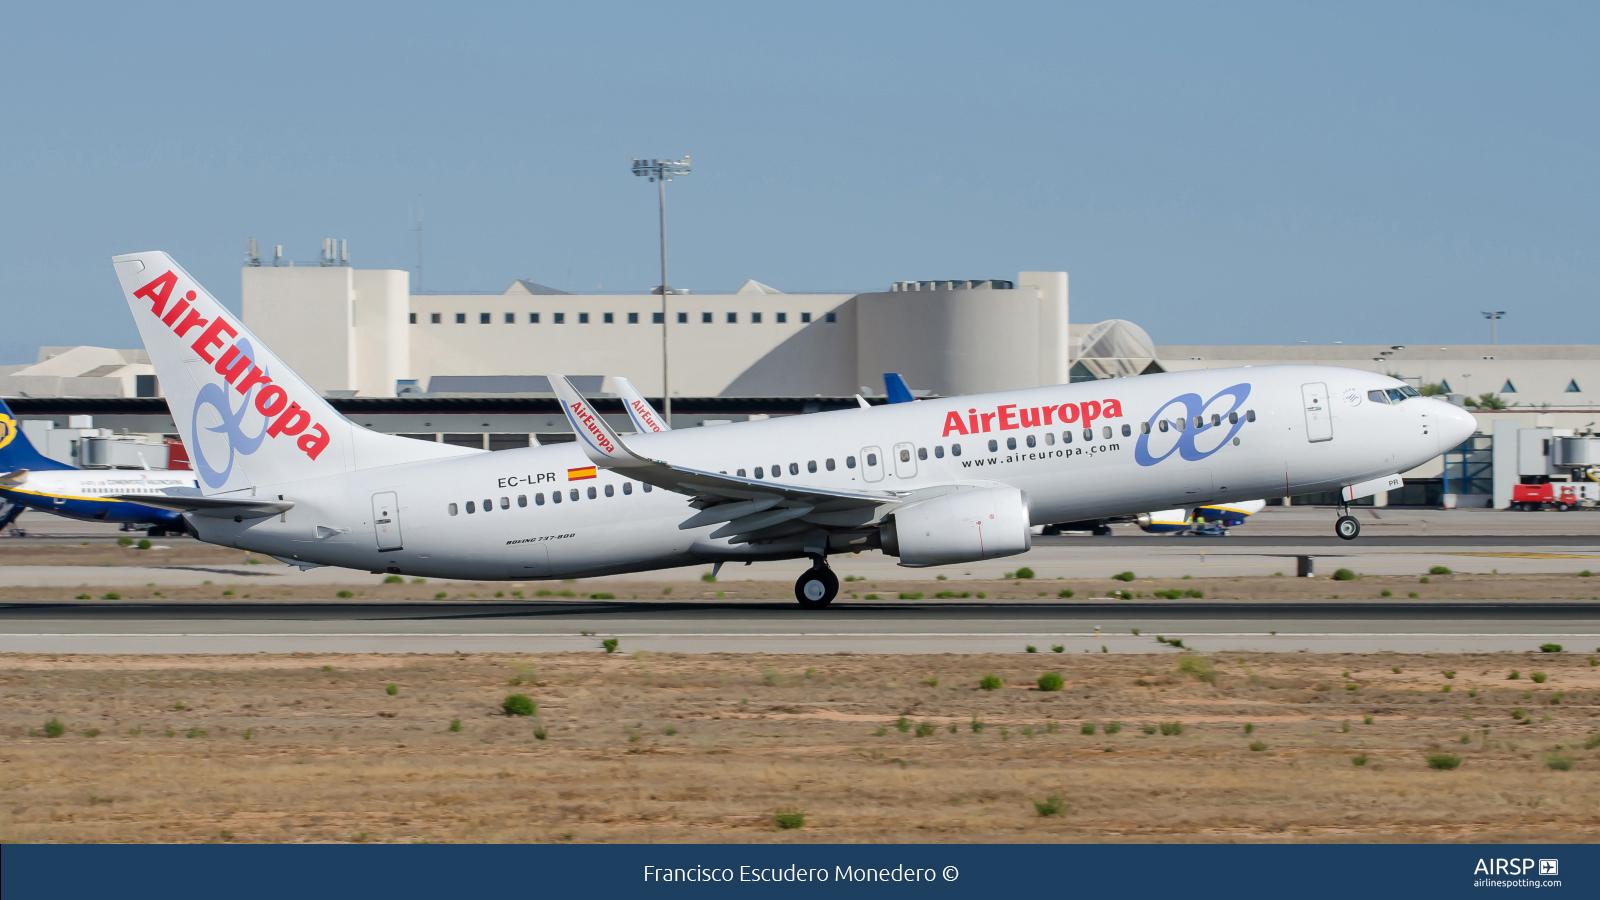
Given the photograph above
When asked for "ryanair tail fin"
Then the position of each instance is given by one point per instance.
(246, 418)
(16, 451)
(895, 386)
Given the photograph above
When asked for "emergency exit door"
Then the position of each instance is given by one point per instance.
(871, 464)
(386, 520)
(1319, 423)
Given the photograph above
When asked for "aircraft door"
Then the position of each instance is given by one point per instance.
(386, 520)
(905, 461)
(871, 464)
(1319, 423)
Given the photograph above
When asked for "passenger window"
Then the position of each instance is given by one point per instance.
(555, 496)
(1199, 421)
(955, 449)
(777, 470)
(938, 451)
(611, 490)
(591, 492)
(1127, 430)
(1216, 419)
(829, 464)
(905, 455)
(1144, 427)
(794, 468)
(1066, 437)
(741, 473)
(993, 445)
(505, 502)
(1183, 424)
(538, 499)
(522, 500)
(872, 459)
(1032, 441)
(573, 494)
(1106, 432)
(1162, 425)
(647, 489)
(627, 487)
(1049, 438)
(488, 504)
(1249, 415)
(758, 472)
(922, 453)
(811, 465)
(1233, 418)
(1088, 434)
(454, 510)
(849, 462)
(470, 508)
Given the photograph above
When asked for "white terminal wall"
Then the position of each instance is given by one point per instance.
(341, 329)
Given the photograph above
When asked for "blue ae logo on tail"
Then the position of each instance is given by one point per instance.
(215, 396)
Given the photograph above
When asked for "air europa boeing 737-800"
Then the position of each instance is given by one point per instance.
(938, 482)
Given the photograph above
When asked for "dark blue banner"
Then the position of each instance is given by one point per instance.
(1188, 871)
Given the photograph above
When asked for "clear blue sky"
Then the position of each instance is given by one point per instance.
(1220, 173)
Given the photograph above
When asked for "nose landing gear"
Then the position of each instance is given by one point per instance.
(1346, 526)
(818, 586)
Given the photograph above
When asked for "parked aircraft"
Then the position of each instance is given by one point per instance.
(937, 482)
(1213, 519)
(31, 480)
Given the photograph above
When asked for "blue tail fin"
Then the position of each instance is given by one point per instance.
(895, 387)
(15, 450)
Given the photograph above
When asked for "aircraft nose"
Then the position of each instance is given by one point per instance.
(1455, 425)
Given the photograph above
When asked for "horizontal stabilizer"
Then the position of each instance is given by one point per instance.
(216, 507)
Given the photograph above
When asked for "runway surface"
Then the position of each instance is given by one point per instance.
(781, 627)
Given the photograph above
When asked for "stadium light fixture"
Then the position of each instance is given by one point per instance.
(662, 171)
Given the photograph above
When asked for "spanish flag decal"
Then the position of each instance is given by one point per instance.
(580, 474)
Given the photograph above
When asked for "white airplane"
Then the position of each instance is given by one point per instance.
(31, 480)
(933, 483)
(1209, 519)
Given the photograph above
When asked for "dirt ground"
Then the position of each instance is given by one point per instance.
(666, 747)
(1365, 587)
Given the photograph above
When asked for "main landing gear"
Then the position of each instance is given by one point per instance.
(818, 586)
(1346, 526)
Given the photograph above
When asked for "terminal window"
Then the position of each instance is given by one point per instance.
(829, 317)
(633, 318)
(705, 317)
(434, 318)
(755, 318)
(782, 318)
(511, 318)
(461, 318)
(413, 318)
(558, 318)
(483, 318)
(583, 318)
(655, 318)
(805, 317)
(733, 318)
(683, 318)
(533, 318)
(610, 319)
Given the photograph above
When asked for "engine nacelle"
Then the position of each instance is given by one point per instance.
(961, 527)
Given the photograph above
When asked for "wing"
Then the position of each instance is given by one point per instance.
(222, 507)
(645, 418)
(752, 510)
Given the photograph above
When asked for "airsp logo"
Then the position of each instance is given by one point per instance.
(1549, 867)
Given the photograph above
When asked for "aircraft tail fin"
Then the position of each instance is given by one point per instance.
(245, 417)
(16, 451)
(895, 387)
(645, 418)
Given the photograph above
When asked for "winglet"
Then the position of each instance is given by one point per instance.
(645, 418)
(598, 441)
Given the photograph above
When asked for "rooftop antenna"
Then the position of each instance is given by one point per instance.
(253, 258)
(344, 252)
(418, 230)
(277, 255)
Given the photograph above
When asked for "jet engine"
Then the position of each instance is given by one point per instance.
(960, 527)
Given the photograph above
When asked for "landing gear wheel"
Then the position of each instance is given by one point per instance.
(816, 588)
(1102, 530)
(1347, 527)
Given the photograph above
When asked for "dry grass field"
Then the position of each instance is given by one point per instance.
(657, 748)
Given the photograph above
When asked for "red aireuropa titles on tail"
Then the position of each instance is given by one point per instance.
(287, 417)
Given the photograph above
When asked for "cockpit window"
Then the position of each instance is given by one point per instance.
(1377, 396)
(1396, 396)
(1410, 391)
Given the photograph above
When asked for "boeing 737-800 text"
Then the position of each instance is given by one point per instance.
(937, 482)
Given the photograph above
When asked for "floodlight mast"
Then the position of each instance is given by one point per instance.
(662, 171)
(1494, 325)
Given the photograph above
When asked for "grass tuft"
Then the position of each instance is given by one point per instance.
(1198, 667)
(518, 705)
(455, 726)
(1257, 746)
(394, 579)
(1558, 762)
(1024, 572)
(1049, 806)
(1171, 729)
(1360, 759)
(1440, 570)
(1344, 575)
(1539, 677)
(1443, 761)
(789, 819)
(610, 644)
(1051, 681)
(1549, 648)
(1123, 576)
(392, 689)
(990, 683)
(54, 728)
